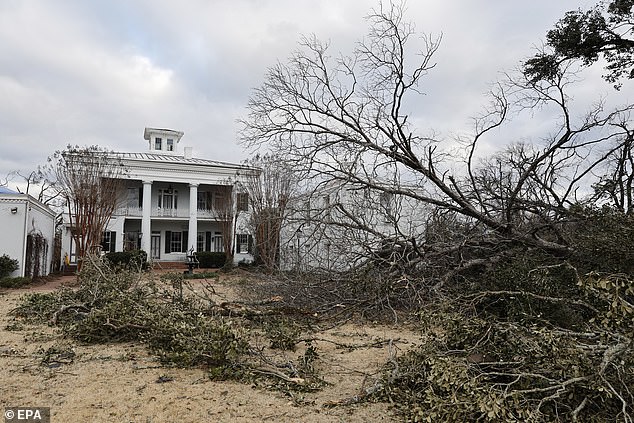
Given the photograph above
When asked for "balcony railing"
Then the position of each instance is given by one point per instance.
(208, 214)
(129, 211)
(167, 212)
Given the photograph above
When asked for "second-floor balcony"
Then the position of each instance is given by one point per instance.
(168, 212)
(209, 214)
(129, 211)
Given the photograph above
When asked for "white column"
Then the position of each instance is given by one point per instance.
(146, 227)
(193, 216)
(120, 238)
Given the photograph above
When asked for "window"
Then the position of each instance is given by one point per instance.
(134, 197)
(168, 199)
(176, 242)
(170, 144)
(105, 241)
(131, 241)
(108, 242)
(204, 200)
(219, 201)
(307, 212)
(387, 200)
(244, 243)
(158, 143)
(218, 245)
(200, 241)
(242, 201)
(326, 200)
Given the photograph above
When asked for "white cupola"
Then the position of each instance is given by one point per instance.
(162, 141)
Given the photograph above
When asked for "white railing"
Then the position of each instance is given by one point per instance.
(169, 212)
(129, 211)
(208, 214)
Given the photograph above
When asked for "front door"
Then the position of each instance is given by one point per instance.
(156, 245)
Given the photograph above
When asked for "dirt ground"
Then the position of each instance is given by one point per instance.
(123, 383)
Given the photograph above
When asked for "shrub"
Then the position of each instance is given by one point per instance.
(208, 259)
(131, 260)
(16, 282)
(7, 265)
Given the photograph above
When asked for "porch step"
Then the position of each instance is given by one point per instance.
(70, 270)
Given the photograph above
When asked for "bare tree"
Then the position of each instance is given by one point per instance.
(36, 184)
(36, 180)
(90, 181)
(323, 114)
(499, 227)
(616, 185)
(5, 182)
(269, 190)
(226, 213)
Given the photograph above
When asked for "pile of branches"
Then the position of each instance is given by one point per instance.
(113, 305)
(369, 292)
(539, 345)
(184, 325)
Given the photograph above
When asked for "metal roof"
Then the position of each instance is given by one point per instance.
(5, 190)
(173, 158)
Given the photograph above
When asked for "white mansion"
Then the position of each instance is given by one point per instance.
(173, 203)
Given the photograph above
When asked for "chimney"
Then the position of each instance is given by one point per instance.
(188, 152)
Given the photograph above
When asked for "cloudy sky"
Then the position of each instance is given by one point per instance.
(99, 71)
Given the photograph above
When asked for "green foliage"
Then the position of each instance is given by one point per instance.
(283, 334)
(111, 305)
(604, 242)
(16, 282)
(211, 260)
(185, 339)
(530, 337)
(528, 287)
(230, 372)
(602, 32)
(616, 296)
(475, 367)
(130, 260)
(7, 265)
(41, 307)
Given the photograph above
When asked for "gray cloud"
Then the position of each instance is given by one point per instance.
(98, 72)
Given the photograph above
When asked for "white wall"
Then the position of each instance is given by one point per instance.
(13, 238)
(30, 218)
(179, 221)
(320, 245)
(41, 221)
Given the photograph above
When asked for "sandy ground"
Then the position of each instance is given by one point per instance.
(123, 383)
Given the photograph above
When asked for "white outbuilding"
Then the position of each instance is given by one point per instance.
(28, 233)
